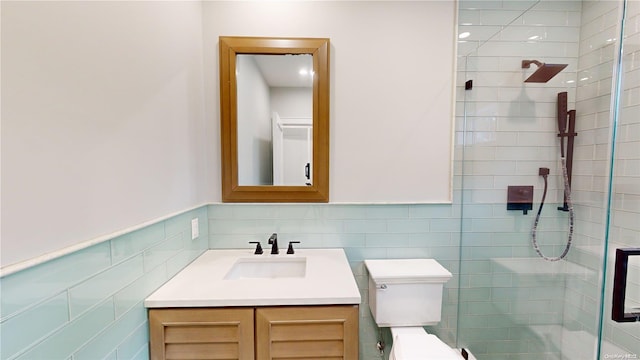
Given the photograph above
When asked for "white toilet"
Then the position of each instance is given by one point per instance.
(405, 295)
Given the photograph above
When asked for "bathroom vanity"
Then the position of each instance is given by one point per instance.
(233, 304)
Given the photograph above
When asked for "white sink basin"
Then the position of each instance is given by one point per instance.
(267, 268)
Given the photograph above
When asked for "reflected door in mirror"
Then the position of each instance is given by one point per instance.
(292, 150)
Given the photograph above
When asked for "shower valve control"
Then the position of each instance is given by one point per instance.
(520, 198)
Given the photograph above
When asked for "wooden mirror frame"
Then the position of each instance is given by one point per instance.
(232, 192)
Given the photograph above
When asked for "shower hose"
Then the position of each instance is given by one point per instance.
(567, 193)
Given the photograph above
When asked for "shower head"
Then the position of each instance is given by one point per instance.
(544, 73)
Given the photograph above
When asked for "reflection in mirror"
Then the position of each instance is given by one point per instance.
(274, 125)
(275, 108)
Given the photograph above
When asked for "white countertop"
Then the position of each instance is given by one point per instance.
(328, 280)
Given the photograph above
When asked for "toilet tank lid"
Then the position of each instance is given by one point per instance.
(407, 271)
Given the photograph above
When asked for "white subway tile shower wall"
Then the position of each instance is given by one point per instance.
(510, 133)
(509, 310)
(594, 85)
(598, 45)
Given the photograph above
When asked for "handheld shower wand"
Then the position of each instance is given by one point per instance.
(566, 174)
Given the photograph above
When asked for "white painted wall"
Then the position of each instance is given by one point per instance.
(103, 122)
(292, 102)
(392, 66)
(110, 116)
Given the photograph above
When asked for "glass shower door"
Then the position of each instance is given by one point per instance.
(621, 340)
(512, 303)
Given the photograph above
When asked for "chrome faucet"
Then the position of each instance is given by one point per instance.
(273, 240)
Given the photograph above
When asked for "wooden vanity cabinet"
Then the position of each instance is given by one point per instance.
(201, 333)
(262, 333)
(310, 332)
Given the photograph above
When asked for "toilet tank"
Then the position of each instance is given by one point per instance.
(406, 292)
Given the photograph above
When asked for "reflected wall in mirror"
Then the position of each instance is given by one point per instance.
(274, 107)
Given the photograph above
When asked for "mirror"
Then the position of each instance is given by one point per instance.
(274, 107)
(626, 287)
(274, 118)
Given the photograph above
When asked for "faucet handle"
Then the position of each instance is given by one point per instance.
(290, 249)
(258, 247)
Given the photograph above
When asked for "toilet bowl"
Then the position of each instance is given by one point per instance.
(406, 295)
(414, 343)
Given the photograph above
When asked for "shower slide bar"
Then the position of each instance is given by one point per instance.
(566, 118)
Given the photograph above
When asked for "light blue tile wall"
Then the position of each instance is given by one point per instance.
(364, 232)
(89, 304)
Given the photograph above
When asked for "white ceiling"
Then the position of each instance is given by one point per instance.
(284, 70)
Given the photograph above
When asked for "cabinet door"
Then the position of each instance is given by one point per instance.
(201, 334)
(317, 332)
